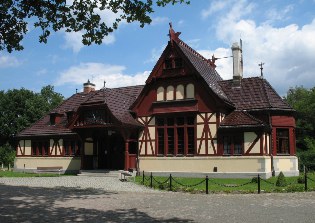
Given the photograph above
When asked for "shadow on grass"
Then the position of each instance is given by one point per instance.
(36, 204)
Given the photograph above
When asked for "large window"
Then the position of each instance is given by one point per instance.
(71, 147)
(175, 136)
(40, 148)
(233, 144)
(282, 141)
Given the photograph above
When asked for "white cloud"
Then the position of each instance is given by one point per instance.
(155, 54)
(8, 61)
(98, 73)
(159, 20)
(224, 65)
(214, 7)
(274, 14)
(74, 40)
(288, 52)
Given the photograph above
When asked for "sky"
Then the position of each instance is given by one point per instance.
(278, 33)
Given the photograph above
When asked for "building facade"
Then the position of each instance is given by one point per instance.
(185, 120)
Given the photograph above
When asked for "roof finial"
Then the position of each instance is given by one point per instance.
(172, 34)
(261, 69)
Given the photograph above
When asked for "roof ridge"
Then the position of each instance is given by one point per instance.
(195, 52)
(250, 116)
(266, 93)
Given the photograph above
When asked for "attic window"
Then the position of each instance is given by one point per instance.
(178, 62)
(168, 64)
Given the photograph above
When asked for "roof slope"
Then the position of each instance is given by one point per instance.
(254, 93)
(118, 101)
(43, 127)
(240, 119)
(204, 68)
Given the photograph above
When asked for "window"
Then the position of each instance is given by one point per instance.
(71, 147)
(175, 135)
(170, 93)
(168, 64)
(160, 94)
(238, 145)
(173, 63)
(40, 148)
(233, 144)
(282, 137)
(190, 91)
(180, 92)
(226, 145)
(178, 62)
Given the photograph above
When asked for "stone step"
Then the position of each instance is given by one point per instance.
(100, 173)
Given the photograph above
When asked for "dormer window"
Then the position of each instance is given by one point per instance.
(55, 118)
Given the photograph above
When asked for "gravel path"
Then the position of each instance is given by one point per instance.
(79, 182)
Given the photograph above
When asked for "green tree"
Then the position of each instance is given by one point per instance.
(303, 101)
(7, 155)
(71, 16)
(20, 108)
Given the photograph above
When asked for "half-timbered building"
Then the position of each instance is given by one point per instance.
(185, 120)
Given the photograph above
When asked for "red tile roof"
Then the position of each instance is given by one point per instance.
(254, 93)
(118, 101)
(240, 119)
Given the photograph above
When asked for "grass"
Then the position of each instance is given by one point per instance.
(227, 185)
(7, 173)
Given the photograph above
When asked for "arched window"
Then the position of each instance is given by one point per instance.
(180, 92)
(190, 91)
(170, 93)
(160, 94)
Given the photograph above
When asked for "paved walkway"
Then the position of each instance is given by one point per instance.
(48, 203)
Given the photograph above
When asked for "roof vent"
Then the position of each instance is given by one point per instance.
(88, 87)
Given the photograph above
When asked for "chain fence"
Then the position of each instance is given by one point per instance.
(171, 183)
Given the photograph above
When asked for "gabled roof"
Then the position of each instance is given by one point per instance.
(254, 93)
(204, 67)
(42, 127)
(117, 100)
(240, 119)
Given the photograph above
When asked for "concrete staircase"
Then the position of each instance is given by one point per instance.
(100, 173)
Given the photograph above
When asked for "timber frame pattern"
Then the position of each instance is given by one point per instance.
(185, 118)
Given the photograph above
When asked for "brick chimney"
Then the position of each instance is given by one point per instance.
(237, 64)
(88, 87)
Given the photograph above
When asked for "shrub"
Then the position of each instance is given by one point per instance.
(301, 180)
(281, 181)
(295, 188)
(7, 155)
(254, 180)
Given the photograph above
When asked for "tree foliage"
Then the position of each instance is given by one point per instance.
(303, 101)
(71, 16)
(20, 108)
(7, 155)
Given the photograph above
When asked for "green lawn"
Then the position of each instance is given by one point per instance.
(198, 185)
(7, 173)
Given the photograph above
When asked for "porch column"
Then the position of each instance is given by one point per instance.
(126, 154)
